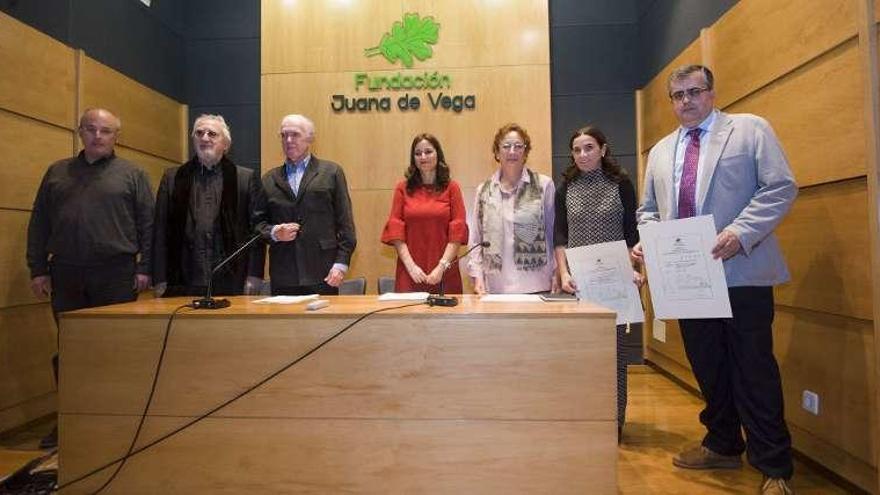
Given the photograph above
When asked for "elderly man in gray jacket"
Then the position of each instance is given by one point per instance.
(733, 167)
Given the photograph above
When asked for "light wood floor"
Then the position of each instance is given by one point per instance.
(661, 420)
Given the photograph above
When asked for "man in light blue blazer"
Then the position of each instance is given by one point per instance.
(733, 167)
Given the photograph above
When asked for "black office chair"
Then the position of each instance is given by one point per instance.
(386, 284)
(353, 287)
(266, 288)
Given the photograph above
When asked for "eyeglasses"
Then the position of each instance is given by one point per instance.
(200, 133)
(513, 146)
(691, 93)
(98, 131)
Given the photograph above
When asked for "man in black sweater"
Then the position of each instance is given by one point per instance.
(90, 232)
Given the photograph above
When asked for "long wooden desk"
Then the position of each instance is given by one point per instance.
(481, 398)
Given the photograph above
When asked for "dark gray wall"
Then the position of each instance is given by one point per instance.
(601, 51)
(222, 73)
(594, 69)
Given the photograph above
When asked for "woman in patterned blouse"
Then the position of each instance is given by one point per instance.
(596, 203)
(513, 213)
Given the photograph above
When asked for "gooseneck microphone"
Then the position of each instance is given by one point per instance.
(442, 299)
(209, 302)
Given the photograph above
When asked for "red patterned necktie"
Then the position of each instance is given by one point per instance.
(687, 186)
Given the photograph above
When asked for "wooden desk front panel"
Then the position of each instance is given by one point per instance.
(428, 402)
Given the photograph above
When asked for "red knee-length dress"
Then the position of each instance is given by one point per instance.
(426, 221)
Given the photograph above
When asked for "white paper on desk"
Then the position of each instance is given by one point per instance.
(686, 282)
(604, 275)
(286, 299)
(521, 298)
(404, 296)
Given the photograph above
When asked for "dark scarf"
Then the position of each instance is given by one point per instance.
(178, 213)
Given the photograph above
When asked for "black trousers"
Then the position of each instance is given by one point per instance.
(78, 287)
(738, 375)
(303, 290)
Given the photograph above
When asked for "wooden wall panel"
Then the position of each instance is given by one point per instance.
(41, 89)
(347, 139)
(336, 45)
(151, 122)
(758, 41)
(805, 343)
(38, 74)
(824, 240)
(506, 69)
(15, 285)
(824, 92)
(27, 148)
(371, 259)
(27, 343)
(658, 119)
(152, 165)
(673, 347)
(332, 45)
(466, 137)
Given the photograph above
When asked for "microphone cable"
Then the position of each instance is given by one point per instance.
(133, 452)
(149, 401)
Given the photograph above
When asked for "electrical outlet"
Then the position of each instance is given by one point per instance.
(810, 402)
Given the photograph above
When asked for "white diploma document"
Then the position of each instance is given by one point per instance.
(604, 275)
(686, 282)
(517, 298)
(404, 296)
(286, 299)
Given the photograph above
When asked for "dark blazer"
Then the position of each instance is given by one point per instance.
(250, 199)
(323, 210)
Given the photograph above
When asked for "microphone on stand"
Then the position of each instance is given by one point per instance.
(441, 299)
(209, 302)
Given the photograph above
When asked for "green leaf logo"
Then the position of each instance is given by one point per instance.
(407, 39)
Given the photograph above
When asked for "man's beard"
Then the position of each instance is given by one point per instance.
(208, 158)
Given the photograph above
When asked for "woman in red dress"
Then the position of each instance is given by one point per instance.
(427, 222)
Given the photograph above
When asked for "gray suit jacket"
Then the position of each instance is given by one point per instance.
(747, 186)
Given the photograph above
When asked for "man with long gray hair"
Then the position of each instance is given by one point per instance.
(205, 210)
